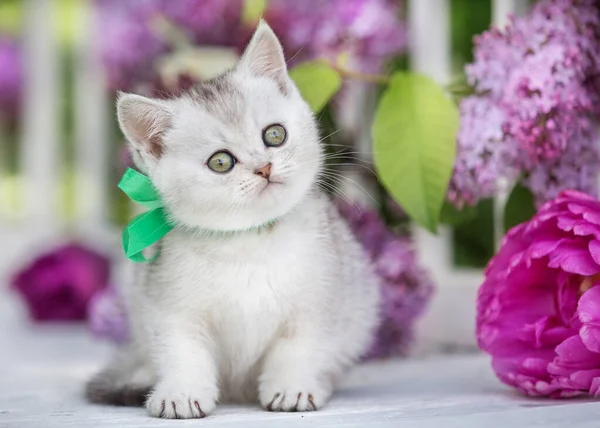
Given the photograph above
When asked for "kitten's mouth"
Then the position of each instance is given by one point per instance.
(271, 183)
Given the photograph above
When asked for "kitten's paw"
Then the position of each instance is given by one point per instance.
(181, 401)
(301, 398)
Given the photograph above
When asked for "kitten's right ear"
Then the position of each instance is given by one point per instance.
(144, 122)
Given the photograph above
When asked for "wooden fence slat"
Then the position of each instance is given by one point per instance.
(92, 130)
(501, 11)
(449, 321)
(39, 148)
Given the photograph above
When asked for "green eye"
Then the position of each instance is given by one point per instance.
(274, 135)
(221, 162)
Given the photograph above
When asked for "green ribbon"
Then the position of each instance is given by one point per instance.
(149, 227)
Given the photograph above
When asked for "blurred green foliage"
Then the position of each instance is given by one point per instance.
(519, 208)
(473, 235)
(468, 18)
(10, 16)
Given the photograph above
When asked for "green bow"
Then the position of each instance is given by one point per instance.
(149, 227)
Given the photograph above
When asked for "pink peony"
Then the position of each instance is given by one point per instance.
(538, 310)
(58, 285)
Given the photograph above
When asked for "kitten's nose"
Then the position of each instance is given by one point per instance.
(264, 171)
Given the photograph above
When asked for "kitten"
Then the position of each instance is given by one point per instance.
(261, 292)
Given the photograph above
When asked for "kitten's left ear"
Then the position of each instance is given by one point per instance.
(264, 56)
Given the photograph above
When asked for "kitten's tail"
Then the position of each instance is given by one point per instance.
(125, 381)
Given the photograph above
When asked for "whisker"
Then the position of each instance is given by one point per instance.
(352, 164)
(327, 136)
(336, 191)
(336, 175)
(295, 55)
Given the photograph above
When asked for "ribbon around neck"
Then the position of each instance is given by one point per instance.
(148, 227)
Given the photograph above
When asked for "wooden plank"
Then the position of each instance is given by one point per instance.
(44, 368)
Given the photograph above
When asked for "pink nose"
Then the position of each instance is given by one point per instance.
(264, 171)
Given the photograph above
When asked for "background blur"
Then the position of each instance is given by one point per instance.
(61, 154)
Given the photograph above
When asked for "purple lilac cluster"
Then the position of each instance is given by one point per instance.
(129, 42)
(11, 75)
(368, 30)
(535, 106)
(405, 286)
(108, 316)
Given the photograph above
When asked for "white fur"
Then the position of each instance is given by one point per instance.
(232, 310)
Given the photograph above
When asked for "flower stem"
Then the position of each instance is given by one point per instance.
(378, 79)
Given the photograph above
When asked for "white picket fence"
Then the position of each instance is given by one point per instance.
(450, 321)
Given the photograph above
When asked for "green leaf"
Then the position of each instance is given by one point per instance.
(11, 12)
(317, 81)
(520, 207)
(454, 217)
(252, 11)
(414, 136)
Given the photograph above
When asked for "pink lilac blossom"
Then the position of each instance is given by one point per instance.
(129, 42)
(107, 316)
(11, 75)
(540, 75)
(483, 153)
(369, 30)
(538, 310)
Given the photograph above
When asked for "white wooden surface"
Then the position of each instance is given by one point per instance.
(42, 371)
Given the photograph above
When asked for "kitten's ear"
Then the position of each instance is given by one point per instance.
(144, 121)
(263, 56)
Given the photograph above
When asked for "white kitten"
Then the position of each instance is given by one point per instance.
(261, 291)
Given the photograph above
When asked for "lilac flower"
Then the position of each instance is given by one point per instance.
(129, 42)
(107, 316)
(405, 286)
(577, 168)
(539, 81)
(11, 75)
(368, 30)
(207, 22)
(126, 41)
(483, 152)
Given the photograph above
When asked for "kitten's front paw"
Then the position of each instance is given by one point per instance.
(299, 398)
(172, 400)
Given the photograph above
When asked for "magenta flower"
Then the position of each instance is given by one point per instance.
(58, 285)
(538, 310)
(108, 316)
(405, 287)
(11, 76)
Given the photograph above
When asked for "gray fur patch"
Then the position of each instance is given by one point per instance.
(105, 391)
(220, 97)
